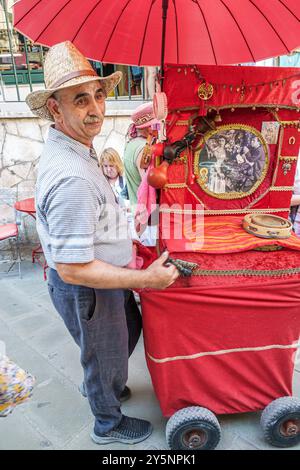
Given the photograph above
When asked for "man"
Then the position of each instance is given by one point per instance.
(207, 153)
(84, 237)
(256, 158)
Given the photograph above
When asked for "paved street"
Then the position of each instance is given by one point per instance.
(57, 416)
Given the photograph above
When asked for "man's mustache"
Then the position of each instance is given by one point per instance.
(92, 120)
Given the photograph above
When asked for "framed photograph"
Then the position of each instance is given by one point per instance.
(270, 131)
(232, 161)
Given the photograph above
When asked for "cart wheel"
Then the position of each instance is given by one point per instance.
(280, 422)
(193, 428)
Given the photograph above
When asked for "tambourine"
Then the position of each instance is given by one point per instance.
(267, 226)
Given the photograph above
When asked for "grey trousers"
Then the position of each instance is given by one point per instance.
(106, 325)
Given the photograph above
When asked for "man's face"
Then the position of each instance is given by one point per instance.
(79, 111)
(212, 144)
(255, 142)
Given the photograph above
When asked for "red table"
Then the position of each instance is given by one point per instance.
(28, 207)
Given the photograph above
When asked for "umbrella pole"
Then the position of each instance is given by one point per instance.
(165, 5)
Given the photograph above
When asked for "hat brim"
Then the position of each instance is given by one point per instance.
(148, 124)
(37, 100)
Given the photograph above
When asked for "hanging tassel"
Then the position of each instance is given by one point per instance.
(218, 117)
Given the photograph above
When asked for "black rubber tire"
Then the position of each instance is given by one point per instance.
(274, 415)
(193, 419)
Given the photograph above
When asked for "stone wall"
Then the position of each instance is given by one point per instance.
(21, 144)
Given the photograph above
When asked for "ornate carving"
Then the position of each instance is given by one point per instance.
(205, 91)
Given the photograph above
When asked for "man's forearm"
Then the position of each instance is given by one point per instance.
(100, 275)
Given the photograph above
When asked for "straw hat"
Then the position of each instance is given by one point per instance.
(64, 67)
(143, 116)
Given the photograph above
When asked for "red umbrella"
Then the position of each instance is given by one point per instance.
(197, 31)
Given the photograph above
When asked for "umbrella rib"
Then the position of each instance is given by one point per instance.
(27, 12)
(251, 1)
(210, 39)
(145, 32)
(114, 28)
(56, 14)
(85, 19)
(234, 19)
(291, 12)
(177, 38)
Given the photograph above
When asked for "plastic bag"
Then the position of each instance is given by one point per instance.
(16, 385)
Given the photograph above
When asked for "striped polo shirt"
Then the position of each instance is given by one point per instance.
(78, 216)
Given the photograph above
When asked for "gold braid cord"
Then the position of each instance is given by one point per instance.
(223, 212)
(247, 272)
(288, 158)
(175, 186)
(281, 188)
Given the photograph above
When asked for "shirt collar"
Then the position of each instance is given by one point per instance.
(82, 150)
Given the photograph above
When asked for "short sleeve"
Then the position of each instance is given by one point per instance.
(71, 211)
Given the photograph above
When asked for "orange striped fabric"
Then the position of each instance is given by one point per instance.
(226, 235)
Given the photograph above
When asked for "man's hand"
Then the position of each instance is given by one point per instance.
(100, 275)
(160, 276)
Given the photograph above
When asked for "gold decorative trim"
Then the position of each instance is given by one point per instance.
(222, 212)
(288, 158)
(220, 129)
(281, 188)
(246, 272)
(254, 106)
(182, 122)
(285, 124)
(205, 91)
(175, 186)
(233, 105)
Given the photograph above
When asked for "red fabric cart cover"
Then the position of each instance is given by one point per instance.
(233, 86)
(226, 338)
(225, 343)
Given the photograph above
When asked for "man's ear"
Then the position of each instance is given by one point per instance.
(54, 108)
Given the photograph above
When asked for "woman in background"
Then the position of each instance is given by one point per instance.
(113, 169)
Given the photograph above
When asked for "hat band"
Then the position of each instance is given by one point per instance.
(70, 76)
(143, 119)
